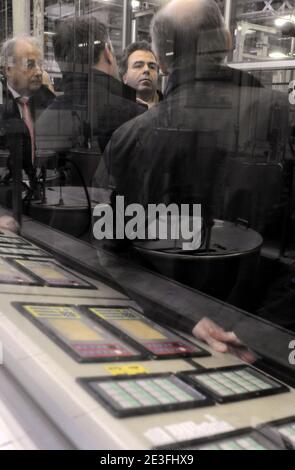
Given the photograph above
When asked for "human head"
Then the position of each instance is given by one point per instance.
(22, 63)
(139, 69)
(82, 42)
(187, 33)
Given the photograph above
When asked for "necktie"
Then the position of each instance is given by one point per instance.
(27, 118)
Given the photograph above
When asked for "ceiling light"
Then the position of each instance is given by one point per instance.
(280, 21)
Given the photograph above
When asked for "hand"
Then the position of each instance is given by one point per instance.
(9, 223)
(222, 341)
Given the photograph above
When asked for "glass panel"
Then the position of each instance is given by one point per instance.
(205, 123)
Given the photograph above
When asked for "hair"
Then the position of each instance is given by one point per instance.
(80, 40)
(135, 46)
(197, 34)
(8, 48)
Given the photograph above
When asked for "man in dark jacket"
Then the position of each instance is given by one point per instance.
(180, 150)
(24, 98)
(92, 89)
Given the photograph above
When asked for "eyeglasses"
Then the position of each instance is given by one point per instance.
(30, 64)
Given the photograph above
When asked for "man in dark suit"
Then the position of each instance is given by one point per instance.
(179, 151)
(23, 97)
(92, 88)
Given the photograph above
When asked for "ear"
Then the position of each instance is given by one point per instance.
(124, 79)
(107, 53)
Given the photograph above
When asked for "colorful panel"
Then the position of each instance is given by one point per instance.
(80, 336)
(10, 275)
(152, 337)
(53, 274)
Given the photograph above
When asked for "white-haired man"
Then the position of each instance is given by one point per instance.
(24, 96)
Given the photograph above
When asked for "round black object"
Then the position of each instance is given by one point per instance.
(226, 270)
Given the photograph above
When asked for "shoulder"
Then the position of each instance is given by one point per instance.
(43, 96)
(139, 126)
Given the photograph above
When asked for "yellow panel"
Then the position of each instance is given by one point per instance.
(49, 311)
(75, 330)
(43, 271)
(46, 272)
(101, 314)
(130, 369)
(139, 329)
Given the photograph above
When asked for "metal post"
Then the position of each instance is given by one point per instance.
(134, 29)
(227, 13)
(127, 23)
(38, 14)
(21, 13)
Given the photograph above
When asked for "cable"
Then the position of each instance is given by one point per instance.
(86, 193)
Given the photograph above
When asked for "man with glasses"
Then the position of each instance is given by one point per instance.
(23, 95)
(140, 70)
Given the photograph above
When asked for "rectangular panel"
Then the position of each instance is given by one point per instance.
(144, 394)
(234, 383)
(155, 339)
(11, 275)
(80, 336)
(74, 330)
(52, 274)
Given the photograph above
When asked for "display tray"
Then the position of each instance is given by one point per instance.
(11, 275)
(78, 335)
(126, 396)
(281, 431)
(156, 340)
(243, 439)
(51, 274)
(234, 383)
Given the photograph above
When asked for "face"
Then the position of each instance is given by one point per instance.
(25, 73)
(142, 73)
